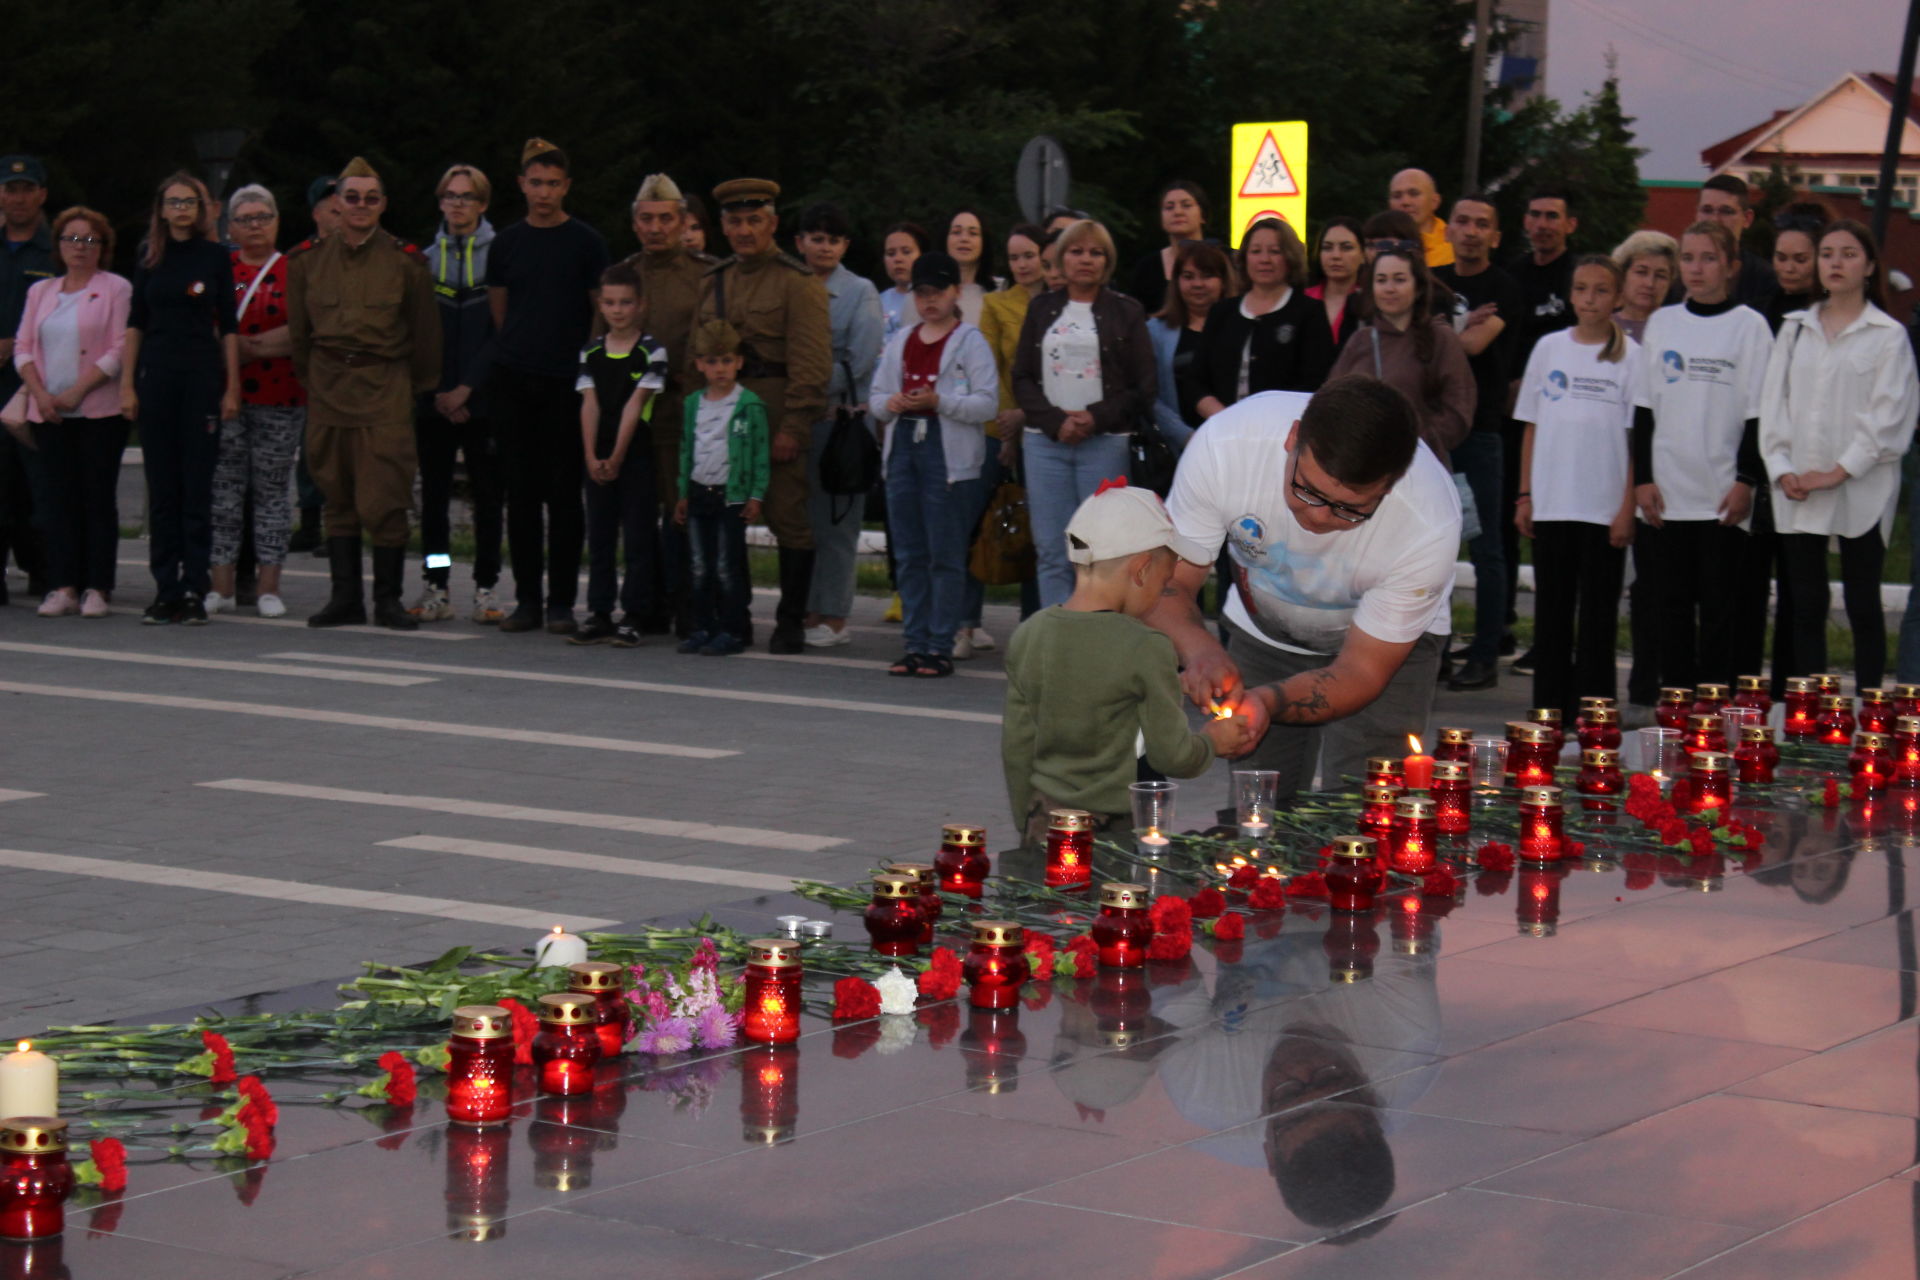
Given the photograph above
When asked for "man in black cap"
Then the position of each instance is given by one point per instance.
(27, 258)
(779, 308)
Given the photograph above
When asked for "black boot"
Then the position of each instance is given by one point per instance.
(796, 579)
(389, 567)
(345, 607)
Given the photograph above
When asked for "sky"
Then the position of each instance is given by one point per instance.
(1728, 65)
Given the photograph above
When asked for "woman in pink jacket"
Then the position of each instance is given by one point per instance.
(68, 354)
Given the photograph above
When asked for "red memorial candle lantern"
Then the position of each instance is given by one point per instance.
(1414, 835)
(1531, 760)
(612, 1014)
(568, 1045)
(996, 966)
(1602, 729)
(1836, 725)
(1069, 849)
(1122, 931)
(1452, 793)
(1600, 783)
(1906, 700)
(962, 862)
(1757, 756)
(1705, 732)
(772, 983)
(480, 1065)
(1829, 684)
(1676, 704)
(1709, 781)
(1417, 768)
(1803, 708)
(476, 1192)
(894, 919)
(1538, 909)
(1591, 703)
(1876, 711)
(1710, 699)
(1354, 877)
(1751, 691)
(1906, 751)
(769, 1093)
(1385, 771)
(1871, 762)
(1550, 717)
(35, 1179)
(1542, 825)
(1514, 729)
(1455, 744)
(1376, 813)
(928, 879)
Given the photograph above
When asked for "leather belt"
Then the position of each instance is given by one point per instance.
(354, 359)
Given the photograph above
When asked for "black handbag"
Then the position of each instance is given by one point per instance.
(1152, 460)
(850, 461)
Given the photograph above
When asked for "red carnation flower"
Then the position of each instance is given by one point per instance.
(1231, 927)
(110, 1158)
(1086, 955)
(1244, 876)
(256, 1094)
(855, 998)
(1439, 883)
(1268, 895)
(1307, 884)
(941, 979)
(223, 1072)
(259, 1133)
(1700, 841)
(525, 1027)
(1207, 904)
(1040, 951)
(1170, 912)
(400, 1078)
(1495, 857)
(1172, 944)
(1830, 793)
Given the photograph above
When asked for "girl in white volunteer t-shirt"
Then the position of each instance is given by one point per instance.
(1576, 490)
(1696, 458)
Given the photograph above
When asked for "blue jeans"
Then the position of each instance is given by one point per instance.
(1907, 662)
(1059, 478)
(1479, 459)
(932, 523)
(717, 538)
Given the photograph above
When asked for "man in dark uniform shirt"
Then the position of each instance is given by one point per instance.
(26, 257)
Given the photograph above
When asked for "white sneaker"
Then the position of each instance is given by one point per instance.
(432, 606)
(271, 606)
(982, 642)
(825, 637)
(94, 604)
(486, 609)
(217, 603)
(60, 602)
(962, 645)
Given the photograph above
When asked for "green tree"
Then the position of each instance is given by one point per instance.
(1589, 154)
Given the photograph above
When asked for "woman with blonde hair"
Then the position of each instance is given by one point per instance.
(179, 381)
(1649, 263)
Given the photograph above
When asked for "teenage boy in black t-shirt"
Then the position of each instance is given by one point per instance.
(1487, 315)
(541, 280)
(620, 374)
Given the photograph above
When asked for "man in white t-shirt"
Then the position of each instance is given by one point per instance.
(1343, 532)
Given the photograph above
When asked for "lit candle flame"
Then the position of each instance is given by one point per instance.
(25, 1046)
(1413, 745)
(557, 930)
(1219, 710)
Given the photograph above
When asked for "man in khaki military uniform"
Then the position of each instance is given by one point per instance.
(780, 309)
(670, 281)
(366, 341)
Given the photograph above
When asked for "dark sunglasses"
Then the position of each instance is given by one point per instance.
(355, 197)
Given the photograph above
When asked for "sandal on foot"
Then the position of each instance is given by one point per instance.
(907, 664)
(934, 665)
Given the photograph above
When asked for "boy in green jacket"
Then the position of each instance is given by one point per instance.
(724, 461)
(1090, 687)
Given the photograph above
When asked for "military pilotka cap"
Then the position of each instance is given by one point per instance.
(716, 338)
(746, 193)
(359, 168)
(533, 148)
(23, 169)
(659, 187)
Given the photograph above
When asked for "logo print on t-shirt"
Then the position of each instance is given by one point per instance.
(1673, 365)
(1556, 385)
(1248, 534)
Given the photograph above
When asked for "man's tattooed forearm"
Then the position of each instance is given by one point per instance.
(1303, 699)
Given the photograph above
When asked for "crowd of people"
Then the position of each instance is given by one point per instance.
(1719, 416)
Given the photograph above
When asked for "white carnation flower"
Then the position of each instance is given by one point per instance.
(897, 991)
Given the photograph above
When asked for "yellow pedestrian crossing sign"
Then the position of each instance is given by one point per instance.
(1269, 176)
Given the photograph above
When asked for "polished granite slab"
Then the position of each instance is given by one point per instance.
(1626, 1066)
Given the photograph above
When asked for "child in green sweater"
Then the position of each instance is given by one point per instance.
(1090, 687)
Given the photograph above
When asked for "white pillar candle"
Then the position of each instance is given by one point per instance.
(29, 1083)
(558, 949)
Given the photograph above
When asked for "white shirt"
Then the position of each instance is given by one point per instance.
(1849, 403)
(1391, 576)
(1581, 408)
(1070, 359)
(60, 344)
(1701, 376)
(710, 438)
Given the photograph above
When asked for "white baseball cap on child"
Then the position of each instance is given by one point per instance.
(1119, 521)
